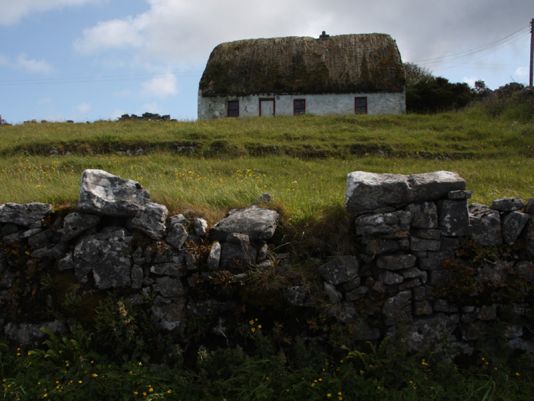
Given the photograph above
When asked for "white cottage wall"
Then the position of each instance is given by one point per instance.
(377, 103)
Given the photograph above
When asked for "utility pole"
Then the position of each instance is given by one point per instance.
(531, 83)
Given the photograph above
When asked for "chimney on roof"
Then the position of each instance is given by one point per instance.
(324, 35)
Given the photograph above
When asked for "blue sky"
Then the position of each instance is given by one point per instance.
(97, 59)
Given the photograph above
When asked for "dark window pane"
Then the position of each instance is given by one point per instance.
(233, 108)
(299, 106)
(360, 105)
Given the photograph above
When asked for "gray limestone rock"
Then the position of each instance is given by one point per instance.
(530, 237)
(507, 204)
(441, 305)
(423, 293)
(459, 195)
(169, 316)
(169, 269)
(432, 333)
(26, 215)
(151, 220)
(265, 198)
(488, 312)
(42, 239)
(3, 262)
(525, 270)
(435, 185)
(7, 279)
(485, 225)
(106, 194)
(494, 273)
(378, 246)
(390, 278)
(415, 273)
(408, 284)
(357, 294)
(169, 287)
(200, 227)
(107, 256)
(420, 245)
(137, 277)
(453, 218)
(368, 192)
(422, 308)
(333, 295)
(67, 263)
(75, 224)
(398, 309)
(255, 222)
(263, 252)
(441, 277)
(237, 252)
(513, 331)
(7, 229)
(424, 215)
(29, 333)
(177, 234)
(512, 225)
(392, 225)
(341, 269)
(427, 234)
(214, 257)
(345, 312)
(396, 262)
(432, 260)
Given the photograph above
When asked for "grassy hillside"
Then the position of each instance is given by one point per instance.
(208, 167)
(301, 162)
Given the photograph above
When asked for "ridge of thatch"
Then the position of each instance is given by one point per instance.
(304, 65)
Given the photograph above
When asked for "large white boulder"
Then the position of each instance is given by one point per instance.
(107, 194)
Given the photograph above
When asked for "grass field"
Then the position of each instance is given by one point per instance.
(209, 167)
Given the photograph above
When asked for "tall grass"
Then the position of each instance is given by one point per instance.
(210, 186)
(454, 135)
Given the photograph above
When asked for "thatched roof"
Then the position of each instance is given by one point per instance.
(304, 65)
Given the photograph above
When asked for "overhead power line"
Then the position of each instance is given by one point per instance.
(466, 53)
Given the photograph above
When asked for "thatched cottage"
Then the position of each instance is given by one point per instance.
(343, 74)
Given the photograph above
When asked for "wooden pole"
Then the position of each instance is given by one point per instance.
(531, 76)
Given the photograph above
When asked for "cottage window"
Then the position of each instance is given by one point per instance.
(360, 105)
(299, 106)
(232, 109)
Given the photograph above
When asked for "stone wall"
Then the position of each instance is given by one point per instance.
(429, 269)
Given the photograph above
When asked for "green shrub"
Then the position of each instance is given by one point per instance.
(512, 101)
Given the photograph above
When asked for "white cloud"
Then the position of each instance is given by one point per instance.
(84, 108)
(32, 65)
(160, 86)
(11, 11)
(110, 34)
(184, 32)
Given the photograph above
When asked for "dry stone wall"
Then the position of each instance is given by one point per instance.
(429, 269)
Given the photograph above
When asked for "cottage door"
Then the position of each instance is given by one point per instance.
(267, 107)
